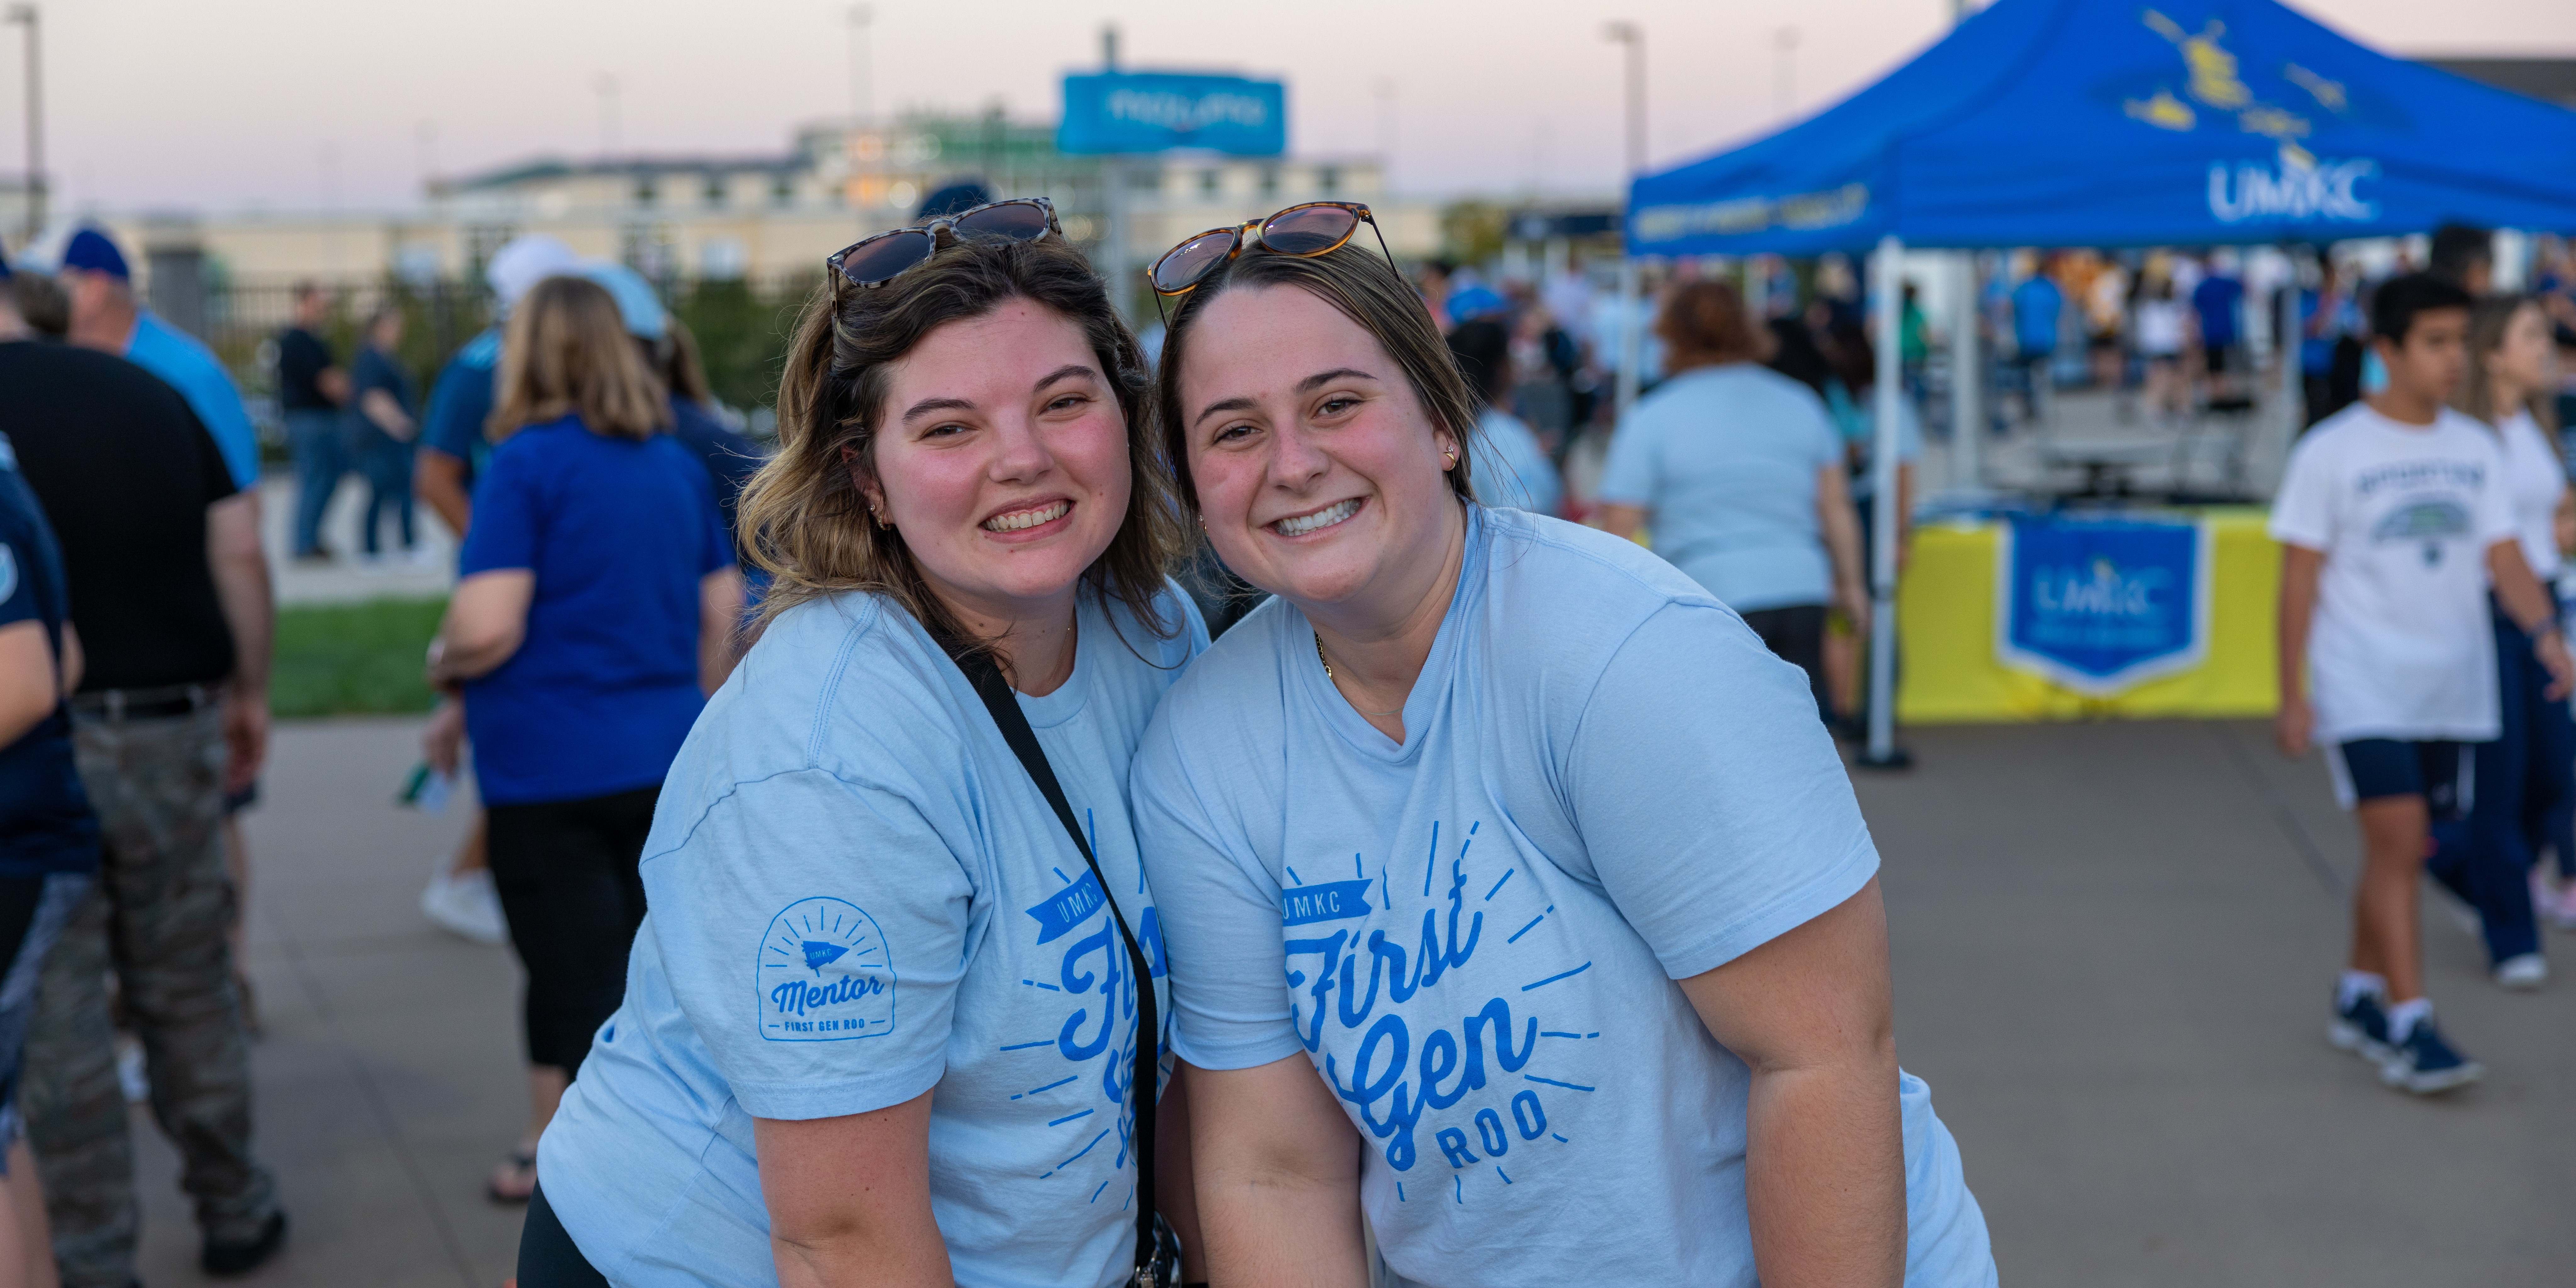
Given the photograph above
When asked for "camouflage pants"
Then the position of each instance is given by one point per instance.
(158, 918)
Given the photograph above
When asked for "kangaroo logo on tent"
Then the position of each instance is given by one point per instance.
(824, 974)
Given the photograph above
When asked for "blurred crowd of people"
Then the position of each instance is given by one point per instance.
(130, 502)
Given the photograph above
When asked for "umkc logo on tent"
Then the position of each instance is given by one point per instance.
(2301, 187)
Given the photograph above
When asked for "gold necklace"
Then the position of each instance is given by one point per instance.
(1328, 674)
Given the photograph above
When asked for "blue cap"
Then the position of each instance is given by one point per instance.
(91, 251)
(956, 198)
(1476, 302)
(637, 305)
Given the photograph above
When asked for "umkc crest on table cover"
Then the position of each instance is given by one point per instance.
(2101, 606)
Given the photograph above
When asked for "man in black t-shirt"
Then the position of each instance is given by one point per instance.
(310, 389)
(169, 592)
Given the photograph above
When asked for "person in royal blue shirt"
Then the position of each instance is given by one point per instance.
(451, 451)
(2218, 300)
(2037, 305)
(594, 612)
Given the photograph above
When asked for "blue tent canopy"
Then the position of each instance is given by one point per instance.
(2110, 122)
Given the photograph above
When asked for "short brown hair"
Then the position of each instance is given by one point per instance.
(803, 517)
(565, 353)
(1705, 323)
(1363, 287)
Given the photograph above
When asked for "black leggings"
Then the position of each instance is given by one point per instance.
(1795, 634)
(548, 1258)
(566, 874)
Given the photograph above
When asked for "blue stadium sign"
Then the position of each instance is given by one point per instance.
(1118, 112)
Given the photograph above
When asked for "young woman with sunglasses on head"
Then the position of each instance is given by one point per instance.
(1516, 897)
(884, 1024)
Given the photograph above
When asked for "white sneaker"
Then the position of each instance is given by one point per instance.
(464, 904)
(421, 556)
(2523, 973)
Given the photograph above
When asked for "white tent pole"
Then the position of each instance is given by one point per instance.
(1887, 269)
(1631, 339)
(1967, 379)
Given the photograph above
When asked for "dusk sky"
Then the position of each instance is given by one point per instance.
(298, 104)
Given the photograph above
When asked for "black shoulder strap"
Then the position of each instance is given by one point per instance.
(1146, 1077)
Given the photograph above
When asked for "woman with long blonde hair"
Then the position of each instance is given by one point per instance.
(593, 614)
(894, 1017)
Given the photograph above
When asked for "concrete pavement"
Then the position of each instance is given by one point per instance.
(2114, 949)
(2113, 946)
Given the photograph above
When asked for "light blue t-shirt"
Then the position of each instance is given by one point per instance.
(1724, 459)
(1513, 470)
(1856, 419)
(857, 896)
(187, 365)
(1609, 785)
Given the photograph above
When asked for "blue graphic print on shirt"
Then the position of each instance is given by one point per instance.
(1393, 1081)
(856, 1000)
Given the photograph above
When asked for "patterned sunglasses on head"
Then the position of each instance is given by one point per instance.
(871, 262)
(1304, 231)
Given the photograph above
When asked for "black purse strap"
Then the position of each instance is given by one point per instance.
(1146, 1077)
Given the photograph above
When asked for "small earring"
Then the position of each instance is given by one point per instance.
(1453, 458)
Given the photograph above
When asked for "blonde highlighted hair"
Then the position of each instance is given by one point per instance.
(566, 353)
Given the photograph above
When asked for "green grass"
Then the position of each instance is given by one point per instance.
(353, 659)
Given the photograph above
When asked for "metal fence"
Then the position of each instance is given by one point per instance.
(741, 326)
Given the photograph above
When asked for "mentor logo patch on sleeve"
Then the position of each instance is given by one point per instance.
(825, 974)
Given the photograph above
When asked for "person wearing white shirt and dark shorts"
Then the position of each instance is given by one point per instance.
(2393, 516)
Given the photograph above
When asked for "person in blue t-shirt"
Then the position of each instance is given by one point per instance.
(1521, 477)
(48, 837)
(383, 429)
(2218, 302)
(2037, 305)
(874, 949)
(451, 451)
(594, 611)
(106, 317)
(1504, 871)
(1736, 472)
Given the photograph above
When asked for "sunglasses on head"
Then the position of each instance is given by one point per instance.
(871, 262)
(1303, 231)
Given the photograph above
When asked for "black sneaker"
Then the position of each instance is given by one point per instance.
(2426, 1065)
(224, 1258)
(2362, 1028)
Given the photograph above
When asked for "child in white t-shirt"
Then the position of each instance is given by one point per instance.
(2393, 517)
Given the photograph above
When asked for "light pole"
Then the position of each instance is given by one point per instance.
(1631, 326)
(862, 101)
(25, 15)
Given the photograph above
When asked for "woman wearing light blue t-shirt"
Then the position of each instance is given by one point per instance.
(882, 1023)
(1737, 472)
(1516, 897)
